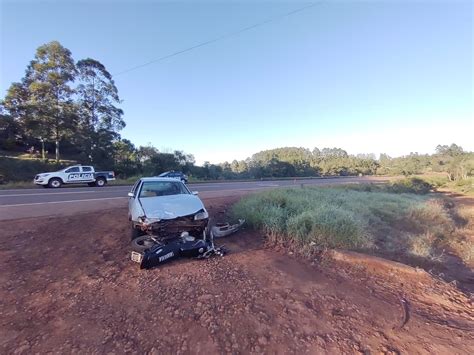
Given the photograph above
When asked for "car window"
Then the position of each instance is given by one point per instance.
(74, 169)
(86, 169)
(166, 173)
(134, 188)
(162, 188)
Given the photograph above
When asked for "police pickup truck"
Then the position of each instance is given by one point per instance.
(76, 174)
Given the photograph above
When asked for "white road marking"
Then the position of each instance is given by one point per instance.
(68, 188)
(56, 202)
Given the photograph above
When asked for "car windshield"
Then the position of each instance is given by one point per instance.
(162, 188)
(164, 174)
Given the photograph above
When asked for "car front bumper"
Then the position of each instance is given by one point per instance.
(174, 227)
(41, 181)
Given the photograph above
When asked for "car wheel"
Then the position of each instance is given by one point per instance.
(142, 243)
(100, 182)
(55, 183)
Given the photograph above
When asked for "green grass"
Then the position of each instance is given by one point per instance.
(128, 181)
(313, 218)
(326, 217)
(412, 185)
(17, 185)
(463, 186)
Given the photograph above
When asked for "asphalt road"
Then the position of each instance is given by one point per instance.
(36, 202)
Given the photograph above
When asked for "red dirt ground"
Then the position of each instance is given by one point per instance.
(68, 286)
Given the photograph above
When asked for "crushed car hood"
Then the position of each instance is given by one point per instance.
(170, 207)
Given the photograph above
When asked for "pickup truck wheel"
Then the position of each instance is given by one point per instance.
(100, 182)
(55, 183)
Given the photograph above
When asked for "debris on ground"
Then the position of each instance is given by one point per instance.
(220, 230)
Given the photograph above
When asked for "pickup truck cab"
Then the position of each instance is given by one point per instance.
(77, 174)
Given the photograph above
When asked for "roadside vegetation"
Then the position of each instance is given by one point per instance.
(441, 182)
(401, 218)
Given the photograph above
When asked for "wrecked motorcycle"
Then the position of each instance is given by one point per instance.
(151, 251)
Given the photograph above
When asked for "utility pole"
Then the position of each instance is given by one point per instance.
(42, 149)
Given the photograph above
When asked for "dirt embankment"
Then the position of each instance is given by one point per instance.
(67, 285)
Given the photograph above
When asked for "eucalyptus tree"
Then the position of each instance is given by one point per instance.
(99, 114)
(48, 78)
(15, 110)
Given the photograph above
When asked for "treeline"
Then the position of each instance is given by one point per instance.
(64, 106)
(452, 160)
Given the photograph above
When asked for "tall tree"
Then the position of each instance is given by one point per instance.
(48, 78)
(14, 109)
(97, 100)
(449, 150)
(9, 131)
(125, 157)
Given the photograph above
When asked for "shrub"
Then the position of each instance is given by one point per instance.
(410, 185)
(422, 246)
(404, 186)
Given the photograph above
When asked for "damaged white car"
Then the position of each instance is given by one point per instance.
(164, 207)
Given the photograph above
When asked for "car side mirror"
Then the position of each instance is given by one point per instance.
(130, 194)
(195, 192)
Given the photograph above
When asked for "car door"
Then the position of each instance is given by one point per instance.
(86, 174)
(73, 174)
(131, 199)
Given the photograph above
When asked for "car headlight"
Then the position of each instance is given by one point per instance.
(147, 221)
(201, 215)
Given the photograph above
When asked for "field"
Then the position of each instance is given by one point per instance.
(70, 287)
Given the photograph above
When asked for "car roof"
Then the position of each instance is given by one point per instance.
(158, 178)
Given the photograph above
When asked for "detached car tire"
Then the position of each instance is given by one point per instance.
(55, 183)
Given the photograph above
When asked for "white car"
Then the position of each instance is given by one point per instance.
(76, 174)
(165, 207)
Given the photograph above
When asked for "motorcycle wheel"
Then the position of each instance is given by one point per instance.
(143, 243)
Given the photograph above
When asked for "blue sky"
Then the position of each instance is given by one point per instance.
(366, 76)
